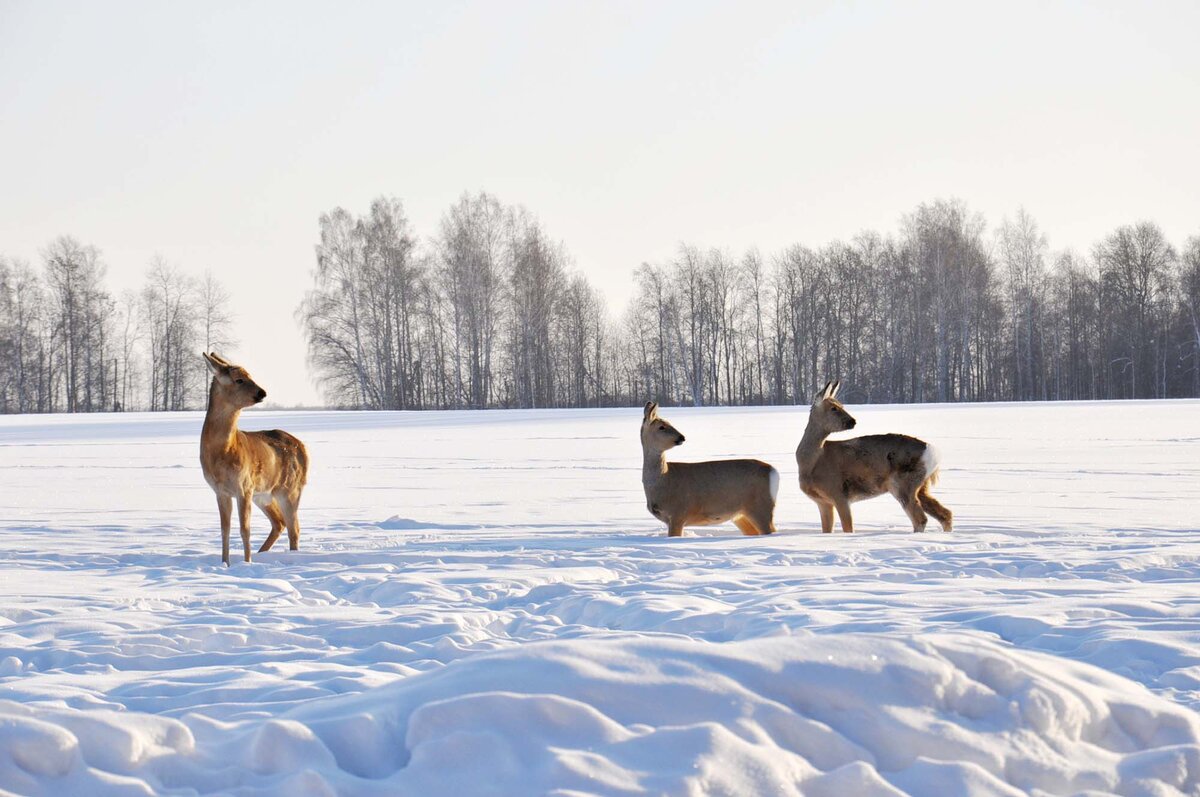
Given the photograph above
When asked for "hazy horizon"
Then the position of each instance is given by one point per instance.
(215, 136)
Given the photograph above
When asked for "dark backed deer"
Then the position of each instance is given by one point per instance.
(836, 473)
(703, 493)
(266, 468)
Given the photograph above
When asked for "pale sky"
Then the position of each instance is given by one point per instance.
(215, 133)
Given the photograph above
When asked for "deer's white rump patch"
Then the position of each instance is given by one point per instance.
(931, 460)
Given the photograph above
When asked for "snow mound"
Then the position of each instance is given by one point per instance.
(864, 714)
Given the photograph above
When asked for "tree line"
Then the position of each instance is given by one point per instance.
(67, 344)
(490, 312)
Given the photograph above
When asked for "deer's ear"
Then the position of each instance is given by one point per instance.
(215, 364)
(651, 411)
(836, 387)
(823, 394)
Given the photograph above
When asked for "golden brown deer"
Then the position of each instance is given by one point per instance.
(703, 493)
(836, 473)
(267, 468)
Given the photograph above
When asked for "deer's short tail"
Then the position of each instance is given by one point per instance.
(931, 462)
(773, 478)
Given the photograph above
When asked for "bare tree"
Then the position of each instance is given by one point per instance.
(1135, 264)
(1023, 253)
(472, 251)
(79, 308)
(172, 310)
(534, 286)
(1189, 283)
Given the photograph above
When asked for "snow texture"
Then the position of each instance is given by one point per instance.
(482, 605)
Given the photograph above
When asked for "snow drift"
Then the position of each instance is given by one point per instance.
(816, 715)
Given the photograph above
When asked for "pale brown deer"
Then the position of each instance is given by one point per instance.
(836, 473)
(703, 493)
(266, 468)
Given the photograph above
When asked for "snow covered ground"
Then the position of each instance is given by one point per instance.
(482, 605)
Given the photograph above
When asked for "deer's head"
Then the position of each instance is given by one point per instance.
(827, 412)
(232, 384)
(657, 434)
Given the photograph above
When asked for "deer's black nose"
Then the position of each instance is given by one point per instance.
(680, 440)
(262, 394)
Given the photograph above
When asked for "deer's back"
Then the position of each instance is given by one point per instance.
(290, 457)
(288, 449)
(718, 486)
(892, 452)
(862, 467)
(721, 470)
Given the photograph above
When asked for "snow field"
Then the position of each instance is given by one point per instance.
(482, 605)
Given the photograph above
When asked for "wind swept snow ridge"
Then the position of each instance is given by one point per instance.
(854, 713)
(481, 604)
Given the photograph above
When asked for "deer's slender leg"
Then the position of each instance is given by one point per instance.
(291, 514)
(826, 517)
(843, 509)
(912, 508)
(762, 516)
(916, 514)
(275, 515)
(244, 504)
(225, 508)
(674, 528)
(747, 526)
(934, 507)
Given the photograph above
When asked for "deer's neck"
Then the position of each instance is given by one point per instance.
(654, 469)
(809, 450)
(220, 424)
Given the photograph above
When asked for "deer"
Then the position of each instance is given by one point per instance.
(836, 473)
(703, 493)
(268, 468)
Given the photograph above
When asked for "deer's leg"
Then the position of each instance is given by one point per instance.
(747, 526)
(843, 509)
(291, 515)
(225, 508)
(674, 527)
(912, 508)
(762, 515)
(244, 504)
(826, 517)
(931, 505)
(275, 515)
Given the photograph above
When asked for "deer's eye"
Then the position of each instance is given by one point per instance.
(662, 428)
(241, 381)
